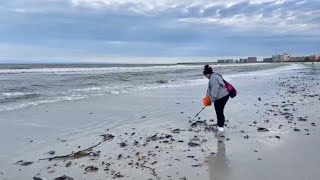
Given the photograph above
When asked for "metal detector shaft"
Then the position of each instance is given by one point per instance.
(199, 112)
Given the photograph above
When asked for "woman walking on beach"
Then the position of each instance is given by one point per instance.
(217, 94)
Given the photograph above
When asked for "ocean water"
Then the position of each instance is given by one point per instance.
(34, 84)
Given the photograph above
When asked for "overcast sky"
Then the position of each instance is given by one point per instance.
(135, 30)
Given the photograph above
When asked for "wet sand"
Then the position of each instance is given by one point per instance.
(145, 142)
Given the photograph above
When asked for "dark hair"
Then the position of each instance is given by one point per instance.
(207, 70)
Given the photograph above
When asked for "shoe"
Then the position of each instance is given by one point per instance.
(220, 131)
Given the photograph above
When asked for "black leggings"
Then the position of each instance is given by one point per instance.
(219, 106)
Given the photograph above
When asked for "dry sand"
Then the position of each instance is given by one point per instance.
(145, 146)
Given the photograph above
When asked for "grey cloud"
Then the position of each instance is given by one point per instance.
(60, 24)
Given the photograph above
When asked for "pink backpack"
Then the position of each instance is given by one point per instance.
(232, 91)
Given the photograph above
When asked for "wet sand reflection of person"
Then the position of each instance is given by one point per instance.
(218, 163)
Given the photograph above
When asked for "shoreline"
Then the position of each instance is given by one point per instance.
(160, 111)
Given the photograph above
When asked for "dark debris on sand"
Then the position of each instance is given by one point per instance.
(262, 129)
(24, 163)
(91, 168)
(107, 137)
(193, 144)
(64, 177)
(52, 152)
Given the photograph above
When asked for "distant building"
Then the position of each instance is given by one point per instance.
(297, 59)
(281, 58)
(229, 60)
(252, 59)
(225, 61)
(286, 57)
(243, 60)
(267, 59)
(276, 58)
(315, 57)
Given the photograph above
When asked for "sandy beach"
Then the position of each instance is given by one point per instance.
(272, 133)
